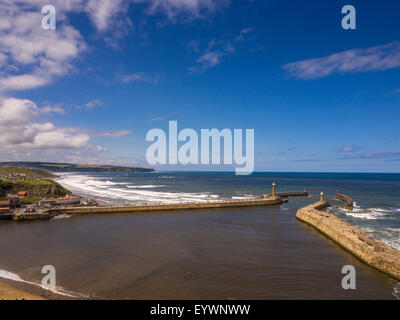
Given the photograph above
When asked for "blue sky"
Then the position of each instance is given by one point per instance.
(320, 98)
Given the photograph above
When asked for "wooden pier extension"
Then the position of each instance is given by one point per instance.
(292, 194)
(346, 199)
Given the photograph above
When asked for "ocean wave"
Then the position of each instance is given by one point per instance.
(58, 290)
(149, 186)
(243, 197)
(97, 188)
(388, 235)
(394, 229)
(364, 213)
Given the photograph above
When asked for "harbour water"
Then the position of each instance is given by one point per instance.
(246, 253)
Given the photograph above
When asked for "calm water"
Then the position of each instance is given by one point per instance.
(252, 253)
(377, 196)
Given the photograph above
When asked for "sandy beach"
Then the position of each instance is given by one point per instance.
(12, 290)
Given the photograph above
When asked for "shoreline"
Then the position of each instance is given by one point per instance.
(16, 290)
(12, 287)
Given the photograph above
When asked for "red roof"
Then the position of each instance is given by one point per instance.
(22, 193)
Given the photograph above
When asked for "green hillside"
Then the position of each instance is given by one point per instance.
(35, 181)
(68, 167)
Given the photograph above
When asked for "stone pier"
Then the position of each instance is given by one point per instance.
(369, 250)
(261, 202)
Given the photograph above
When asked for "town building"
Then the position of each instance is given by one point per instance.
(71, 200)
(4, 207)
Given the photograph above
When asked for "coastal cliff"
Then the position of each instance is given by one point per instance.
(40, 188)
(36, 183)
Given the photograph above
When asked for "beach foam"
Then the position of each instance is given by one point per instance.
(128, 193)
(58, 290)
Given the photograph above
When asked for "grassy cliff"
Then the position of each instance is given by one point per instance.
(36, 182)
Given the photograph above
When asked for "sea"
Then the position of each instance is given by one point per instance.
(231, 253)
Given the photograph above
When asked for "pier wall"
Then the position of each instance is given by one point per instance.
(32, 216)
(182, 206)
(6, 216)
(369, 250)
(290, 194)
(346, 199)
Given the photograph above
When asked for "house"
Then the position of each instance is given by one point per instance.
(4, 207)
(71, 200)
(22, 193)
(5, 203)
(45, 202)
(4, 210)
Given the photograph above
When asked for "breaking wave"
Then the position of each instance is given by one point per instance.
(115, 192)
(367, 218)
(362, 213)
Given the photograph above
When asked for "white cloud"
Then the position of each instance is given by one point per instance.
(59, 138)
(43, 55)
(100, 12)
(93, 103)
(217, 49)
(52, 109)
(185, 10)
(16, 111)
(22, 82)
(349, 149)
(138, 77)
(357, 60)
(98, 148)
(112, 134)
(18, 129)
(24, 45)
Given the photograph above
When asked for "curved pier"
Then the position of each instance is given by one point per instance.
(369, 250)
(346, 199)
